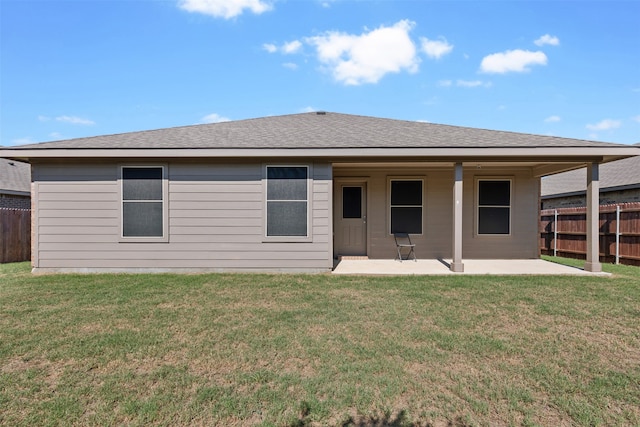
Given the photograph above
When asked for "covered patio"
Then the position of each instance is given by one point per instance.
(538, 267)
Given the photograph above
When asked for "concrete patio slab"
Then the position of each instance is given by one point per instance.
(471, 266)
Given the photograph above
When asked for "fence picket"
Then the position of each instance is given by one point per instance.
(15, 235)
(563, 231)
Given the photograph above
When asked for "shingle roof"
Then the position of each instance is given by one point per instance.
(621, 173)
(315, 130)
(15, 177)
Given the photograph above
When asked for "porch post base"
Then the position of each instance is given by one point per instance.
(594, 267)
(457, 267)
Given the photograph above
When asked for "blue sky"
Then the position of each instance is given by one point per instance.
(77, 68)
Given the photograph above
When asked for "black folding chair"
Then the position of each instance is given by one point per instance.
(404, 246)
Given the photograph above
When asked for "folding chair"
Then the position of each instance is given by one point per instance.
(404, 246)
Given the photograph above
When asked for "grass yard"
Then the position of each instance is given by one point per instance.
(307, 350)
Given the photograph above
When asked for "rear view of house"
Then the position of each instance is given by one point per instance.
(292, 193)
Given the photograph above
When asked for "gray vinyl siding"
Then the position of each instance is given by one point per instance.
(436, 239)
(215, 220)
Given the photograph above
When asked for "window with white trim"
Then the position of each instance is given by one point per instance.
(143, 204)
(494, 207)
(287, 201)
(406, 206)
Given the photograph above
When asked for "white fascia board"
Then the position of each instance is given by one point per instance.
(605, 153)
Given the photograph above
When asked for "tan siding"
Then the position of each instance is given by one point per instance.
(71, 205)
(79, 222)
(78, 238)
(215, 221)
(78, 213)
(206, 196)
(522, 243)
(198, 222)
(214, 213)
(184, 255)
(163, 265)
(436, 240)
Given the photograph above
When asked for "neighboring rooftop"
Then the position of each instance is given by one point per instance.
(617, 175)
(15, 177)
(314, 130)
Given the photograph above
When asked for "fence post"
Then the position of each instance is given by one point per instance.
(617, 234)
(555, 232)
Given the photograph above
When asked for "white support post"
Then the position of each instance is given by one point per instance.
(593, 219)
(617, 234)
(456, 262)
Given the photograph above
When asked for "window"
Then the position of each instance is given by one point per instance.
(406, 206)
(351, 202)
(287, 201)
(143, 206)
(494, 207)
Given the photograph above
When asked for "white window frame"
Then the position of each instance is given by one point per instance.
(477, 205)
(165, 204)
(390, 180)
(308, 237)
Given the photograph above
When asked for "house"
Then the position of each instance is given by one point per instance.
(291, 193)
(15, 184)
(619, 183)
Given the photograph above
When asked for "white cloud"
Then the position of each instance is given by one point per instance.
(214, 118)
(291, 47)
(366, 58)
(55, 135)
(606, 124)
(327, 3)
(436, 49)
(308, 109)
(472, 83)
(512, 61)
(286, 48)
(636, 119)
(226, 9)
(269, 47)
(445, 83)
(22, 141)
(290, 65)
(75, 120)
(547, 39)
(552, 119)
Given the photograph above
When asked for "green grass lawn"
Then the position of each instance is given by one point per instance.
(306, 350)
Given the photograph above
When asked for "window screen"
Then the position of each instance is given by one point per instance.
(406, 206)
(494, 207)
(287, 201)
(142, 202)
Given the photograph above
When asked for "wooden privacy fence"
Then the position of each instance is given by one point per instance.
(15, 235)
(563, 233)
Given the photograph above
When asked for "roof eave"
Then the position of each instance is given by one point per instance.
(595, 154)
(15, 192)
